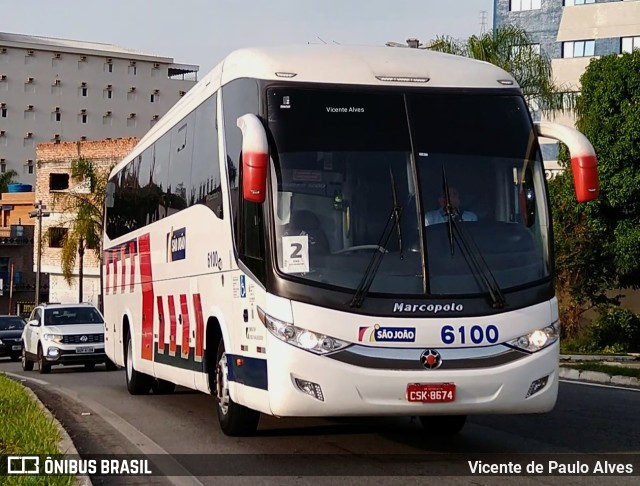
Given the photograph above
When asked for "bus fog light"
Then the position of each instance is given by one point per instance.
(310, 388)
(536, 340)
(537, 385)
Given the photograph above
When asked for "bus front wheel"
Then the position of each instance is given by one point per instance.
(443, 424)
(137, 383)
(235, 419)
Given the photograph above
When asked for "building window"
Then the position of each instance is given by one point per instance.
(132, 69)
(108, 66)
(584, 48)
(55, 87)
(30, 57)
(82, 116)
(4, 56)
(28, 166)
(630, 43)
(131, 95)
(82, 63)
(30, 86)
(520, 5)
(57, 236)
(3, 111)
(107, 93)
(570, 3)
(29, 113)
(107, 118)
(83, 90)
(58, 182)
(4, 84)
(55, 114)
(131, 120)
(3, 166)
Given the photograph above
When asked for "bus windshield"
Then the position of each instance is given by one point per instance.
(345, 159)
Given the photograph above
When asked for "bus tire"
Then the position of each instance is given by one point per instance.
(162, 387)
(137, 383)
(443, 424)
(235, 419)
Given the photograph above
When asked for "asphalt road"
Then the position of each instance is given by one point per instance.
(102, 417)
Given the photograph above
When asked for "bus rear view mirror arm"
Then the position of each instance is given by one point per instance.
(255, 156)
(583, 158)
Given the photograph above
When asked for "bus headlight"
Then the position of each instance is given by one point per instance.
(301, 338)
(536, 340)
(56, 338)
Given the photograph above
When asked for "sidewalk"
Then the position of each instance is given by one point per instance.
(626, 361)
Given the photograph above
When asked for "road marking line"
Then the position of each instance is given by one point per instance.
(146, 445)
(601, 385)
(22, 377)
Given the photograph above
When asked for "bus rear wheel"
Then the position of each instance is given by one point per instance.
(235, 419)
(137, 383)
(443, 424)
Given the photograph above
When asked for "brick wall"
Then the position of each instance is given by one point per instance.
(52, 158)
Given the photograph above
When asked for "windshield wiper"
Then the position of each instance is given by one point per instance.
(397, 210)
(376, 259)
(470, 249)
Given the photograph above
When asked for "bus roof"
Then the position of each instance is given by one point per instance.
(335, 64)
(362, 65)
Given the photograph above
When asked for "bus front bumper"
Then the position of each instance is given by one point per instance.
(345, 389)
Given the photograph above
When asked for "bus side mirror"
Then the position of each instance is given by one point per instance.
(255, 157)
(584, 163)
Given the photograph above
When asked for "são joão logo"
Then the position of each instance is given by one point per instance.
(380, 334)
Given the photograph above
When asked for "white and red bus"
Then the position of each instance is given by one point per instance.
(340, 231)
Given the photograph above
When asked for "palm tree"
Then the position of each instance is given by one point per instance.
(511, 48)
(6, 178)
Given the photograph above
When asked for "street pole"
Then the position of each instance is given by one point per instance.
(39, 213)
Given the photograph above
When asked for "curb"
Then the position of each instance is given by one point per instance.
(598, 377)
(66, 444)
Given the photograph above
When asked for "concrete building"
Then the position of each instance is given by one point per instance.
(54, 90)
(16, 253)
(571, 33)
(53, 181)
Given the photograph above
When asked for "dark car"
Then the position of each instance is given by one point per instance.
(11, 336)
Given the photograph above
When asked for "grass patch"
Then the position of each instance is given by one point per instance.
(605, 368)
(26, 430)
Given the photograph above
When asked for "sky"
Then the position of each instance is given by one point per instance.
(203, 32)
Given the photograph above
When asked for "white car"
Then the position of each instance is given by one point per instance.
(67, 334)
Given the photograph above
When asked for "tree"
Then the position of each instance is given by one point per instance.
(598, 243)
(7, 178)
(83, 208)
(510, 48)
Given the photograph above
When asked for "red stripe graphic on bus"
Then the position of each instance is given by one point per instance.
(146, 279)
(172, 327)
(123, 257)
(185, 347)
(132, 263)
(197, 305)
(107, 260)
(114, 259)
(160, 325)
